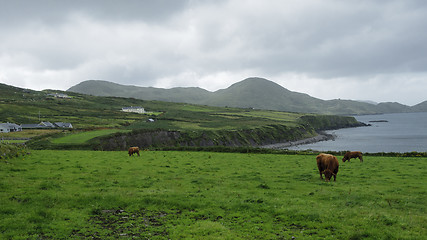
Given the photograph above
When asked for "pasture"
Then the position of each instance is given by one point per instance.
(53, 194)
(84, 136)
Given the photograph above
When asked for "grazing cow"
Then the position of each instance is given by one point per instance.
(328, 165)
(355, 154)
(133, 150)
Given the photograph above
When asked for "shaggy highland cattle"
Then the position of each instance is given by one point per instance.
(133, 150)
(328, 165)
(355, 154)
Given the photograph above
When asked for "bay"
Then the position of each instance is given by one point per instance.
(398, 132)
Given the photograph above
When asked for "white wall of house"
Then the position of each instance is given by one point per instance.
(134, 109)
(4, 129)
(10, 127)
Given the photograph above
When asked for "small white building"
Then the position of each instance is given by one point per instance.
(134, 109)
(10, 127)
(59, 95)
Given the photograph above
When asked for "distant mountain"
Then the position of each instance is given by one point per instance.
(105, 88)
(368, 101)
(255, 93)
(263, 94)
(392, 107)
(421, 107)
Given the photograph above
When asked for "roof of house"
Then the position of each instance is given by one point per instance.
(63, 125)
(9, 125)
(32, 125)
(132, 107)
(48, 125)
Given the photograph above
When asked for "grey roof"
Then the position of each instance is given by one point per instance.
(48, 125)
(10, 125)
(32, 125)
(64, 125)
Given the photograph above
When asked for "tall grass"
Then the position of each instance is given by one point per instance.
(207, 195)
(8, 151)
(82, 137)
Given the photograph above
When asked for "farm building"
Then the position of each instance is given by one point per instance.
(48, 125)
(59, 95)
(134, 109)
(63, 125)
(9, 127)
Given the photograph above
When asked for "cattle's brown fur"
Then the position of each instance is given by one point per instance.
(133, 150)
(355, 154)
(328, 165)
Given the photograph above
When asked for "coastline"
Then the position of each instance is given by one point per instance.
(322, 136)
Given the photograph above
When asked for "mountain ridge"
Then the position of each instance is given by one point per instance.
(255, 92)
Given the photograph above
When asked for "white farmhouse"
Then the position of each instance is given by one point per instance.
(10, 127)
(134, 109)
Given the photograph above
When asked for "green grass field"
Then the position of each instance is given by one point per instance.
(204, 195)
(29, 133)
(82, 137)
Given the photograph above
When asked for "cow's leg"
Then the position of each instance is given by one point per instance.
(335, 173)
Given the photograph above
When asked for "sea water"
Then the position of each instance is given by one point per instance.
(397, 132)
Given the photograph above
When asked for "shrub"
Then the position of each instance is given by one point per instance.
(11, 150)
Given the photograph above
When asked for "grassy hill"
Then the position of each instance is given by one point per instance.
(255, 93)
(421, 107)
(182, 124)
(259, 93)
(24, 106)
(105, 88)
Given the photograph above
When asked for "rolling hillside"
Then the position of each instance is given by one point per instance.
(259, 93)
(421, 107)
(255, 93)
(176, 124)
(105, 88)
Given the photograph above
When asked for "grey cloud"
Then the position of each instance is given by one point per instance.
(334, 42)
(150, 43)
(51, 11)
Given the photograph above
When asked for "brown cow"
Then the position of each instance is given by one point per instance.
(355, 154)
(328, 165)
(133, 150)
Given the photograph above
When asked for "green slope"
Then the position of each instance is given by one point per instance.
(263, 94)
(255, 93)
(195, 124)
(421, 107)
(105, 88)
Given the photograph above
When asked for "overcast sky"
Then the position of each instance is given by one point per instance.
(362, 50)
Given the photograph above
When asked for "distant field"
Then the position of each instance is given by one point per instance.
(13, 141)
(29, 133)
(82, 137)
(204, 195)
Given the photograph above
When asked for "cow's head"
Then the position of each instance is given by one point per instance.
(344, 159)
(328, 174)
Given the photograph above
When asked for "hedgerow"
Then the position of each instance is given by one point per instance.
(11, 150)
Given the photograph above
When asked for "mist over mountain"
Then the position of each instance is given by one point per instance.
(258, 93)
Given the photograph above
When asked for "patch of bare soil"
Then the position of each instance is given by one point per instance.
(117, 223)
